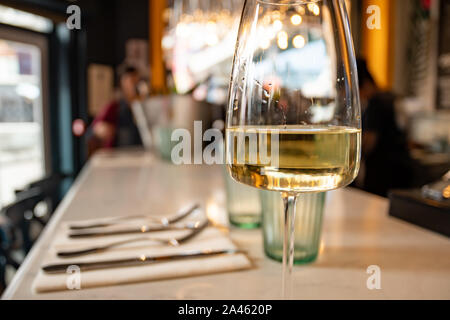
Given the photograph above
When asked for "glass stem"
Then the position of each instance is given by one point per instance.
(290, 204)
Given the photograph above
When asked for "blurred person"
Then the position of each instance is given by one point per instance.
(387, 163)
(115, 126)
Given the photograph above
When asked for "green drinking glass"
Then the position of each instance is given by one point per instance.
(163, 141)
(243, 204)
(308, 226)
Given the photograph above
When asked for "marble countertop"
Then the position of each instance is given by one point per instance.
(414, 263)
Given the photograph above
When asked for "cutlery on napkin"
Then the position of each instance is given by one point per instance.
(209, 240)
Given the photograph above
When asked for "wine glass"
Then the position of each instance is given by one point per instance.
(294, 118)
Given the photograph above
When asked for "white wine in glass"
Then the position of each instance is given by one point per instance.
(311, 159)
(294, 119)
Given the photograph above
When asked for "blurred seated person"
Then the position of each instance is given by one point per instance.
(386, 162)
(115, 126)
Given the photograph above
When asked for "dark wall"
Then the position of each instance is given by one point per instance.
(109, 24)
(132, 23)
(100, 31)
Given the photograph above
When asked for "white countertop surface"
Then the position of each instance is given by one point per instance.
(358, 233)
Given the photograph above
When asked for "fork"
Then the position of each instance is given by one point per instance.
(174, 242)
(163, 221)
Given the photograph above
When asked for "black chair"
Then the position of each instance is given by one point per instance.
(50, 188)
(16, 220)
(21, 214)
(7, 240)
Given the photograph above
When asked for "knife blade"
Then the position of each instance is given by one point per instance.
(137, 261)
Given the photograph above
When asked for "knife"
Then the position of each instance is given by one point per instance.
(137, 261)
(141, 230)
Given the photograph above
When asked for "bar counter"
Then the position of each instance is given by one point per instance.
(357, 233)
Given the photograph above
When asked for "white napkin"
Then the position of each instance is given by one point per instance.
(209, 239)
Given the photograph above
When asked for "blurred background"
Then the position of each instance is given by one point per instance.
(62, 88)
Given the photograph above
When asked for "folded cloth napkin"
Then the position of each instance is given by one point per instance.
(209, 239)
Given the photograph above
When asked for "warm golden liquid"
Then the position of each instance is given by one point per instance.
(311, 158)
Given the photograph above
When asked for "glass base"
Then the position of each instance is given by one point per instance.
(246, 221)
(308, 258)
